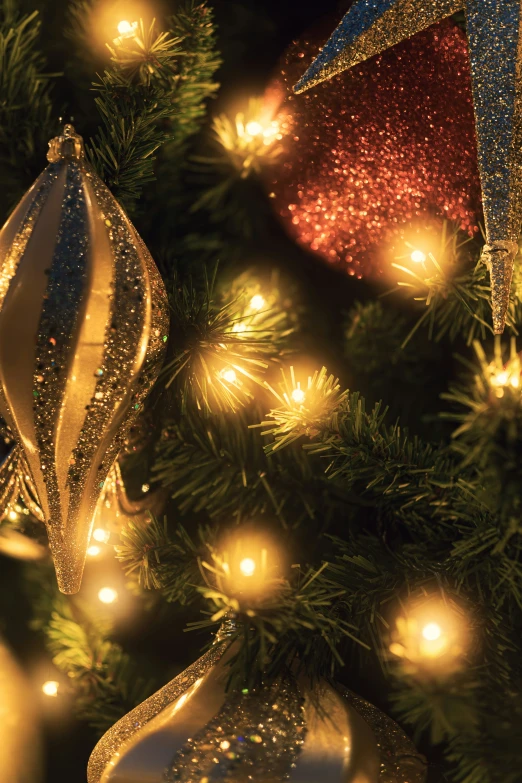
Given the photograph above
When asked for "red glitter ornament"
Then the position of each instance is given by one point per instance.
(379, 152)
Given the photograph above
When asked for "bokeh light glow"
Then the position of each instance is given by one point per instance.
(93, 550)
(101, 535)
(257, 302)
(254, 128)
(229, 375)
(432, 631)
(124, 27)
(107, 595)
(418, 257)
(247, 566)
(51, 688)
(298, 396)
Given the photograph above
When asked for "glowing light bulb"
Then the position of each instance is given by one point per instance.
(298, 396)
(93, 551)
(224, 745)
(418, 257)
(124, 27)
(107, 595)
(229, 375)
(257, 302)
(13, 516)
(247, 566)
(239, 327)
(50, 688)
(432, 632)
(101, 535)
(254, 128)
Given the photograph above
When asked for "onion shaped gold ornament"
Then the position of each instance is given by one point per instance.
(83, 327)
(192, 730)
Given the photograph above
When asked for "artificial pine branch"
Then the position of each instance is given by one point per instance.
(454, 286)
(26, 122)
(220, 349)
(152, 94)
(106, 682)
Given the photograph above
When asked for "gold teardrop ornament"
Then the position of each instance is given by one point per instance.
(83, 331)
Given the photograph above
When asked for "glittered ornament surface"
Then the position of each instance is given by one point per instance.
(193, 730)
(380, 150)
(83, 325)
(494, 30)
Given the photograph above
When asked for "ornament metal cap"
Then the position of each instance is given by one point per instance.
(499, 258)
(69, 146)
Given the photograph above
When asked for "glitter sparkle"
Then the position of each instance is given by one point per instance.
(388, 145)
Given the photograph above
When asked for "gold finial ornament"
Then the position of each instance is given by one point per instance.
(66, 147)
(83, 331)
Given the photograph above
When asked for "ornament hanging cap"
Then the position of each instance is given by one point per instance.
(69, 146)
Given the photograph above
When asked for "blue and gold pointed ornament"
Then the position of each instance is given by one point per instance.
(83, 327)
(495, 44)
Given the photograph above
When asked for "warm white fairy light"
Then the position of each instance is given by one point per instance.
(93, 550)
(254, 128)
(418, 257)
(126, 31)
(51, 688)
(229, 375)
(239, 327)
(430, 638)
(257, 302)
(432, 632)
(13, 516)
(101, 535)
(107, 595)
(124, 27)
(298, 395)
(247, 566)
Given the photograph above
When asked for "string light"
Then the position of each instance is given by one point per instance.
(418, 257)
(229, 375)
(249, 139)
(254, 128)
(50, 688)
(239, 327)
(124, 27)
(107, 595)
(247, 566)
(432, 631)
(430, 637)
(298, 396)
(13, 516)
(126, 31)
(101, 535)
(93, 551)
(257, 302)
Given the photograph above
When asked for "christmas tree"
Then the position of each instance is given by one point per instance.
(260, 496)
